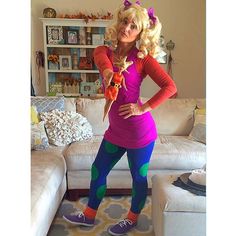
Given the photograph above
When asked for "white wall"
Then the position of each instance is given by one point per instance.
(183, 22)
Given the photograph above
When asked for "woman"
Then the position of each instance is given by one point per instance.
(132, 128)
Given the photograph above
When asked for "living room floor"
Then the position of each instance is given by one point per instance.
(111, 210)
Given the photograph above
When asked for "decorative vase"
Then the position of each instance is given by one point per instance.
(53, 66)
(75, 61)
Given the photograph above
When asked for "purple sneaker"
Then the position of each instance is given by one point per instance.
(122, 227)
(79, 219)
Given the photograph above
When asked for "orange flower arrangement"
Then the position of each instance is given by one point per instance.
(87, 17)
(53, 58)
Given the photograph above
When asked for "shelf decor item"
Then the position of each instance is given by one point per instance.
(53, 62)
(88, 36)
(97, 84)
(85, 63)
(65, 62)
(53, 66)
(55, 35)
(87, 17)
(72, 37)
(49, 13)
(75, 61)
(82, 36)
(55, 88)
(87, 88)
(97, 39)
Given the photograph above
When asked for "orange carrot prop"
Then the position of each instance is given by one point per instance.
(111, 92)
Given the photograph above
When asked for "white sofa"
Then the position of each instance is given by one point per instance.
(174, 151)
(58, 169)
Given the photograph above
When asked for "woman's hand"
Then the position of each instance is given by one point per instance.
(133, 109)
(130, 109)
(107, 75)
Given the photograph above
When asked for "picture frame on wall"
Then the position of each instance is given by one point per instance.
(87, 88)
(55, 35)
(72, 36)
(65, 62)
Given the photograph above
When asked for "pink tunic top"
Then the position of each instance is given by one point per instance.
(135, 131)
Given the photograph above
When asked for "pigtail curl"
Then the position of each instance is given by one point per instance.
(149, 41)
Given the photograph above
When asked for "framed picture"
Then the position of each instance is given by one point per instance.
(87, 88)
(97, 39)
(72, 36)
(65, 62)
(55, 35)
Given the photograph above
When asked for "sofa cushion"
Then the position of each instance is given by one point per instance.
(93, 109)
(174, 116)
(45, 104)
(170, 152)
(179, 153)
(64, 127)
(80, 155)
(70, 104)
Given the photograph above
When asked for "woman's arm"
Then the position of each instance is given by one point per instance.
(149, 66)
(101, 59)
(168, 88)
(103, 63)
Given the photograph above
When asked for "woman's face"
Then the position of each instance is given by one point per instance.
(127, 31)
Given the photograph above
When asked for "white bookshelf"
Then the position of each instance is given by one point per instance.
(53, 74)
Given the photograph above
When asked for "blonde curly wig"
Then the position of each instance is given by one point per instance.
(149, 35)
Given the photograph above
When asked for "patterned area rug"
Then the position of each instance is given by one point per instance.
(111, 210)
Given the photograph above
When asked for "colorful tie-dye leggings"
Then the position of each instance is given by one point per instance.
(108, 155)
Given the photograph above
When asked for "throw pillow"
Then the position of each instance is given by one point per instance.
(39, 139)
(70, 104)
(65, 127)
(174, 116)
(198, 132)
(45, 104)
(34, 115)
(93, 110)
